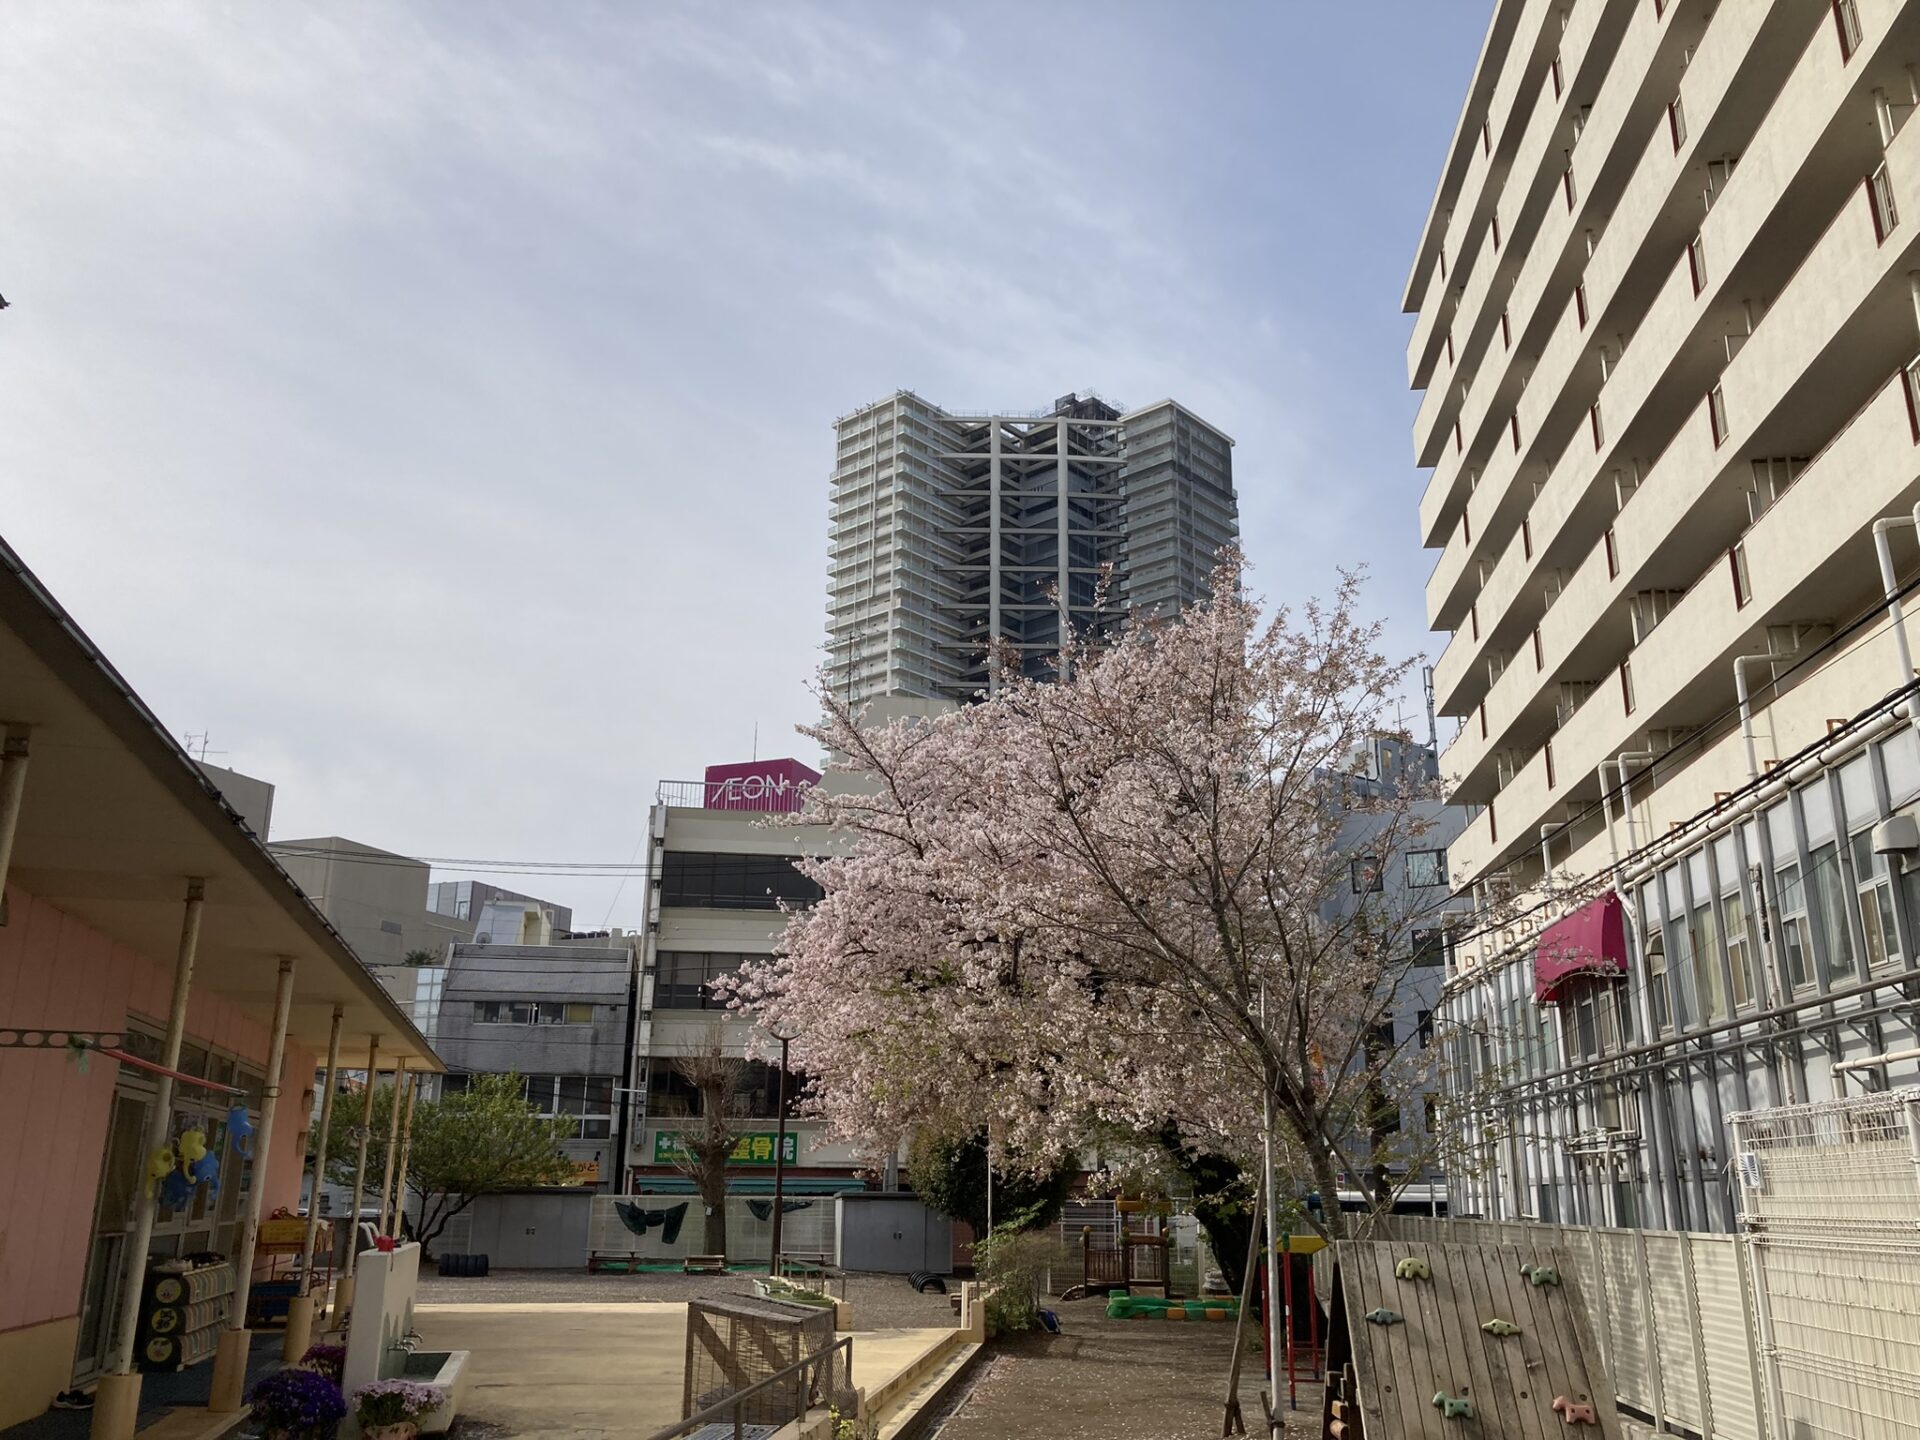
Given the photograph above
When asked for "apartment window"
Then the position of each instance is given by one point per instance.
(1513, 428)
(1458, 444)
(1657, 981)
(1506, 330)
(1449, 347)
(1703, 941)
(1846, 19)
(1717, 414)
(1423, 1030)
(1880, 201)
(1875, 886)
(587, 1098)
(1827, 899)
(1613, 555)
(1737, 566)
(1466, 527)
(684, 979)
(1539, 655)
(1526, 537)
(1486, 137)
(1496, 234)
(1697, 262)
(1365, 875)
(1911, 378)
(1676, 123)
(1429, 948)
(1493, 823)
(1483, 723)
(1593, 423)
(1559, 79)
(1473, 618)
(1900, 758)
(1735, 930)
(1626, 684)
(1546, 752)
(1566, 186)
(532, 1012)
(1441, 256)
(1580, 303)
(1426, 868)
(732, 882)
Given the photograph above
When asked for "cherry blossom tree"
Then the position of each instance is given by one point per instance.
(1121, 899)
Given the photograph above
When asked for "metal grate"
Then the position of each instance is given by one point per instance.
(1835, 1166)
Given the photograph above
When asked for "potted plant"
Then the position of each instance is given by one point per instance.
(297, 1404)
(325, 1359)
(392, 1409)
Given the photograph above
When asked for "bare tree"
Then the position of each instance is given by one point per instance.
(708, 1141)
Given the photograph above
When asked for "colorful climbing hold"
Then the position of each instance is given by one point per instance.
(1502, 1328)
(1413, 1268)
(1540, 1275)
(1452, 1407)
(1384, 1316)
(1572, 1412)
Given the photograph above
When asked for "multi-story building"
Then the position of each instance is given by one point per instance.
(953, 533)
(1665, 325)
(718, 875)
(557, 1015)
(467, 899)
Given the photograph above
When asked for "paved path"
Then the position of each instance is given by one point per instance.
(600, 1369)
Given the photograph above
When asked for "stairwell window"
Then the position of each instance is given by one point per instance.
(1506, 331)
(1540, 663)
(1559, 78)
(1526, 537)
(1742, 584)
(1613, 555)
(1483, 723)
(1496, 234)
(1846, 20)
(1580, 303)
(1697, 262)
(1513, 428)
(1547, 749)
(1717, 415)
(1676, 123)
(1473, 619)
(1486, 137)
(1458, 443)
(1626, 685)
(1567, 187)
(1593, 423)
(1880, 200)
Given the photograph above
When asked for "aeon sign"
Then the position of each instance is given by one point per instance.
(777, 785)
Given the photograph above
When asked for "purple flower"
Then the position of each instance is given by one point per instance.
(303, 1401)
(328, 1360)
(389, 1402)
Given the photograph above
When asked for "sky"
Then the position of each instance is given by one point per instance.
(431, 403)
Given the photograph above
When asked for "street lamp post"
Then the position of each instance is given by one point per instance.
(779, 1155)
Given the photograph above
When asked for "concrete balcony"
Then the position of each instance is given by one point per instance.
(1811, 114)
(1532, 206)
(1474, 203)
(1810, 557)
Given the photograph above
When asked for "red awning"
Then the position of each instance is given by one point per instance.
(1590, 941)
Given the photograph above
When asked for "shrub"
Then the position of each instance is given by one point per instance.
(392, 1402)
(1010, 1264)
(304, 1402)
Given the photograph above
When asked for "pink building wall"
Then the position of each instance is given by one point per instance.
(58, 973)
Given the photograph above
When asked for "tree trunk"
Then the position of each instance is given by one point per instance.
(716, 1224)
(1219, 1204)
(1333, 1220)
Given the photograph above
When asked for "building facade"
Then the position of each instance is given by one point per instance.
(1665, 323)
(556, 1015)
(951, 533)
(717, 878)
(466, 899)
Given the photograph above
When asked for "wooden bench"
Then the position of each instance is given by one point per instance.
(704, 1265)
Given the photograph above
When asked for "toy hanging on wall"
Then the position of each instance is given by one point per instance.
(240, 1130)
(160, 1164)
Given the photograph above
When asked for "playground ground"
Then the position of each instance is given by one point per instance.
(1101, 1378)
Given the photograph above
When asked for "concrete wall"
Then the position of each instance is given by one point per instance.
(375, 898)
(58, 973)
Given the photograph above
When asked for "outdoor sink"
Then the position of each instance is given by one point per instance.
(448, 1370)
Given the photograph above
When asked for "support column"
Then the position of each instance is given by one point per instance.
(13, 785)
(393, 1145)
(117, 1402)
(300, 1308)
(406, 1151)
(343, 1291)
(230, 1363)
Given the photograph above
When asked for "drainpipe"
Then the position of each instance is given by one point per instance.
(1546, 859)
(13, 785)
(230, 1363)
(117, 1402)
(1626, 788)
(1890, 585)
(300, 1308)
(1740, 664)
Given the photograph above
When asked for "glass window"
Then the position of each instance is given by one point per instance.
(1829, 909)
(1856, 792)
(1703, 947)
(684, 977)
(1816, 808)
(1796, 938)
(1657, 997)
(1901, 756)
(1423, 1027)
(1365, 874)
(1875, 885)
(732, 882)
(1429, 947)
(1426, 867)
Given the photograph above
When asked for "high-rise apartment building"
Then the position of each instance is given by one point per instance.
(1666, 331)
(953, 531)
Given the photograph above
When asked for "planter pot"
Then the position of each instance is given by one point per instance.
(399, 1430)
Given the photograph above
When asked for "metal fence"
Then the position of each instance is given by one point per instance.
(1804, 1327)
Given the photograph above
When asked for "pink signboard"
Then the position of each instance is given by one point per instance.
(759, 785)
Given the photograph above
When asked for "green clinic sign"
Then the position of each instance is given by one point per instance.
(752, 1149)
